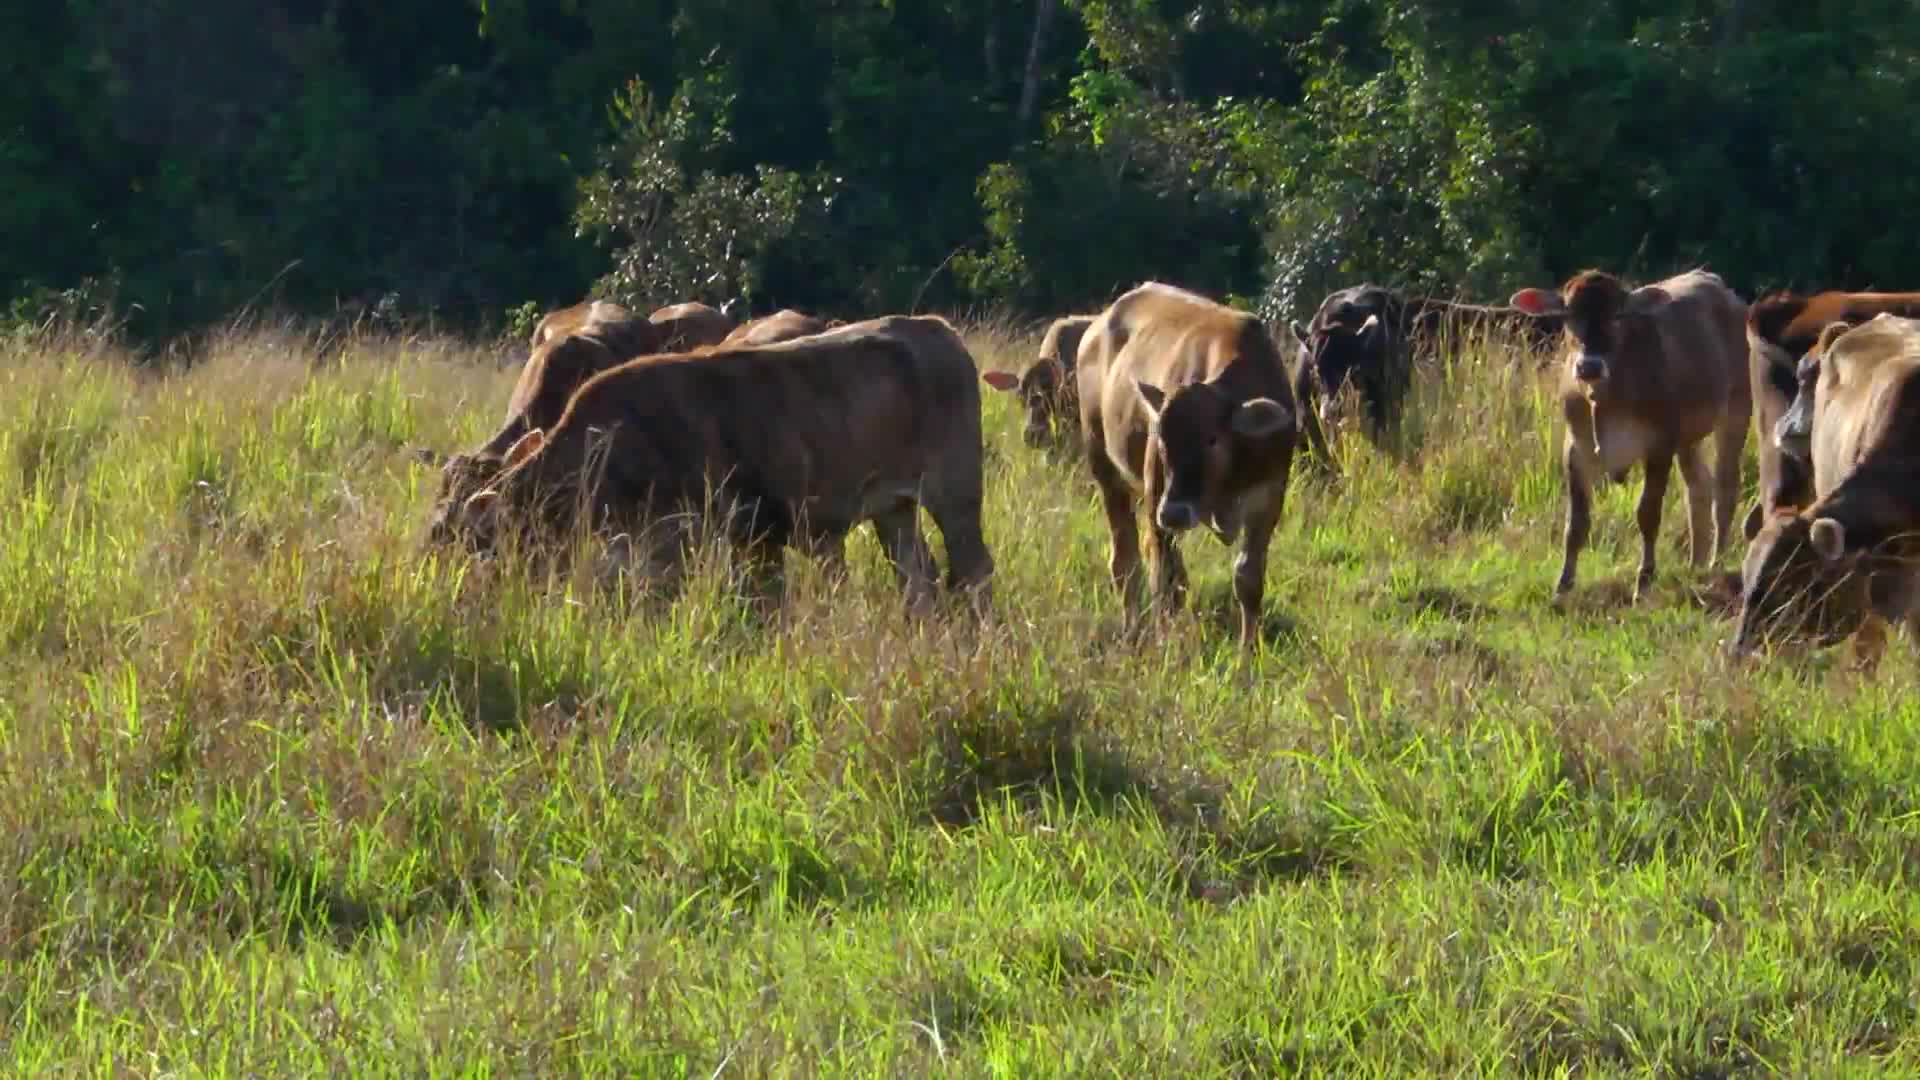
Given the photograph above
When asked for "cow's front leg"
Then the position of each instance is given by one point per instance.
(1250, 571)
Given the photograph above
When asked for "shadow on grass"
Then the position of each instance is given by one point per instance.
(991, 755)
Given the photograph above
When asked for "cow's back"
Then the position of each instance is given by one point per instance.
(681, 327)
(1701, 331)
(1867, 400)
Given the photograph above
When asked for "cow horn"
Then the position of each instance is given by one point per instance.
(1373, 320)
(481, 501)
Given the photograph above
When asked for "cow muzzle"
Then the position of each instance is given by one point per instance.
(1177, 516)
(1590, 368)
(1792, 437)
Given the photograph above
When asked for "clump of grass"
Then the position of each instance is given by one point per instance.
(283, 791)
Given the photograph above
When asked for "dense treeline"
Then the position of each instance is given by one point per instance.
(181, 159)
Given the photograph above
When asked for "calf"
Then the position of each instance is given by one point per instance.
(1781, 327)
(1185, 403)
(783, 325)
(1048, 387)
(1368, 337)
(798, 442)
(1648, 376)
(1846, 563)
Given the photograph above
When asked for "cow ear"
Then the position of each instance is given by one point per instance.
(1152, 396)
(523, 448)
(1829, 538)
(482, 501)
(1538, 302)
(1001, 380)
(1299, 332)
(1261, 417)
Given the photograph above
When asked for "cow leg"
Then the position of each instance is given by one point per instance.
(1578, 465)
(1653, 494)
(899, 532)
(1730, 445)
(761, 566)
(969, 563)
(1163, 547)
(1117, 497)
(1250, 572)
(1702, 529)
(1869, 643)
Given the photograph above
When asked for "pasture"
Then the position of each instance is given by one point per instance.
(283, 795)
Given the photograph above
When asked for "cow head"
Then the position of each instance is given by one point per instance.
(1793, 434)
(1348, 337)
(1593, 307)
(1799, 583)
(469, 489)
(1041, 388)
(1203, 438)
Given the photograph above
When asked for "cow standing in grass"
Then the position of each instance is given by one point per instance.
(1651, 376)
(1048, 387)
(1368, 338)
(1185, 404)
(797, 443)
(1850, 561)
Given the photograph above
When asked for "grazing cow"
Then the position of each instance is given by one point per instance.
(798, 441)
(1185, 403)
(1849, 561)
(1781, 327)
(1048, 387)
(1648, 376)
(1368, 336)
(684, 327)
(783, 325)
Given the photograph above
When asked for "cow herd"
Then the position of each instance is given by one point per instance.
(790, 431)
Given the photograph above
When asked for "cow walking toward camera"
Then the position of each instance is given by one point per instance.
(1651, 376)
(1185, 406)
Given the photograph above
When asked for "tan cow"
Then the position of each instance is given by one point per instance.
(684, 327)
(568, 319)
(1849, 562)
(799, 441)
(1650, 376)
(783, 325)
(1781, 327)
(1185, 402)
(1048, 387)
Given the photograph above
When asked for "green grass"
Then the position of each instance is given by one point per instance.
(281, 794)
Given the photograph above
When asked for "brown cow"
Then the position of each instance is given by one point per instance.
(783, 325)
(684, 327)
(1369, 337)
(1850, 561)
(799, 442)
(1185, 402)
(1048, 387)
(566, 320)
(1648, 376)
(1781, 327)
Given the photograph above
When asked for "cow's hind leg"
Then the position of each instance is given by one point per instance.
(1652, 496)
(1702, 529)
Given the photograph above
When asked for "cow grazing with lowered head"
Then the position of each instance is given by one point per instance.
(684, 327)
(1781, 327)
(783, 325)
(796, 443)
(1369, 338)
(1048, 387)
(1651, 376)
(1849, 562)
(1185, 405)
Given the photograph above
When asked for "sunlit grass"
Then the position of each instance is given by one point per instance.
(284, 793)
